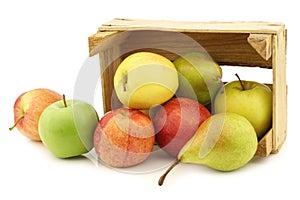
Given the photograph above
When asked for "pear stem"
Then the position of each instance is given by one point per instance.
(64, 100)
(18, 120)
(162, 178)
(241, 82)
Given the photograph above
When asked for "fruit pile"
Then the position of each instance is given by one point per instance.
(182, 106)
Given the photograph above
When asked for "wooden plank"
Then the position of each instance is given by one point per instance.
(122, 24)
(96, 39)
(262, 44)
(109, 62)
(279, 91)
(225, 48)
(265, 146)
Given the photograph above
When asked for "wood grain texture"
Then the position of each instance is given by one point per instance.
(97, 39)
(279, 90)
(262, 44)
(185, 26)
(108, 66)
(265, 147)
(225, 48)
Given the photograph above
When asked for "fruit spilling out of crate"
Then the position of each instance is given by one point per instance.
(162, 85)
(243, 44)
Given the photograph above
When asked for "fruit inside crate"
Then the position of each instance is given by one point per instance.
(242, 44)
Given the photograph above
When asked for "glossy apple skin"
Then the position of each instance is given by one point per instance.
(176, 122)
(31, 104)
(140, 80)
(254, 103)
(124, 137)
(68, 131)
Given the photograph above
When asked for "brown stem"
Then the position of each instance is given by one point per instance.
(162, 178)
(18, 120)
(64, 100)
(241, 82)
(125, 80)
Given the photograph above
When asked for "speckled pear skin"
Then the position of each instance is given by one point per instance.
(225, 142)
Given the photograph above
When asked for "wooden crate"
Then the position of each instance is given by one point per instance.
(252, 44)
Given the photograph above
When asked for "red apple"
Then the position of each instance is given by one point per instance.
(176, 122)
(124, 137)
(27, 110)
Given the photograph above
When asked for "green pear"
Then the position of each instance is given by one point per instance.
(224, 142)
(199, 76)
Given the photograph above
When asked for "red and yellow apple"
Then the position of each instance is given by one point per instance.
(176, 122)
(124, 137)
(27, 110)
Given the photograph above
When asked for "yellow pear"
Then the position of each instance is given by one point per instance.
(224, 142)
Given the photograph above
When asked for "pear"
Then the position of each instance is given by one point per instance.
(224, 142)
(199, 76)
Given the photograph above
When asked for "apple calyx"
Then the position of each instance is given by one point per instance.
(241, 82)
(18, 120)
(162, 178)
(64, 100)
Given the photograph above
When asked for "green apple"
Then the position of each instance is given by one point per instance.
(66, 127)
(250, 99)
(144, 79)
(199, 77)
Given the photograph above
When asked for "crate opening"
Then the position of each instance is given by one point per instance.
(258, 74)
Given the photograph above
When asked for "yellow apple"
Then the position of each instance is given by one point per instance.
(250, 99)
(145, 79)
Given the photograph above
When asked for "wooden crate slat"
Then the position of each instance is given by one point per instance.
(279, 91)
(265, 145)
(183, 26)
(262, 44)
(224, 48)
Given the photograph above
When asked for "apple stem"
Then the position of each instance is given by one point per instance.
(64, 100)
(162, 178)
(241, 82)
(11, 128)
(125, 80)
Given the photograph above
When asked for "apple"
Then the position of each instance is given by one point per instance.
(27, 110)
(145, 79)
(124, 137)
(67, 127)
(250, 99)
(176, 122)
(199, 77)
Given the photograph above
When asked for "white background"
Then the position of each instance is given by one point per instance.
(44, 44)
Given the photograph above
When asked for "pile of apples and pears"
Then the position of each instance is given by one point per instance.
(175, 96)
(225, 139)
